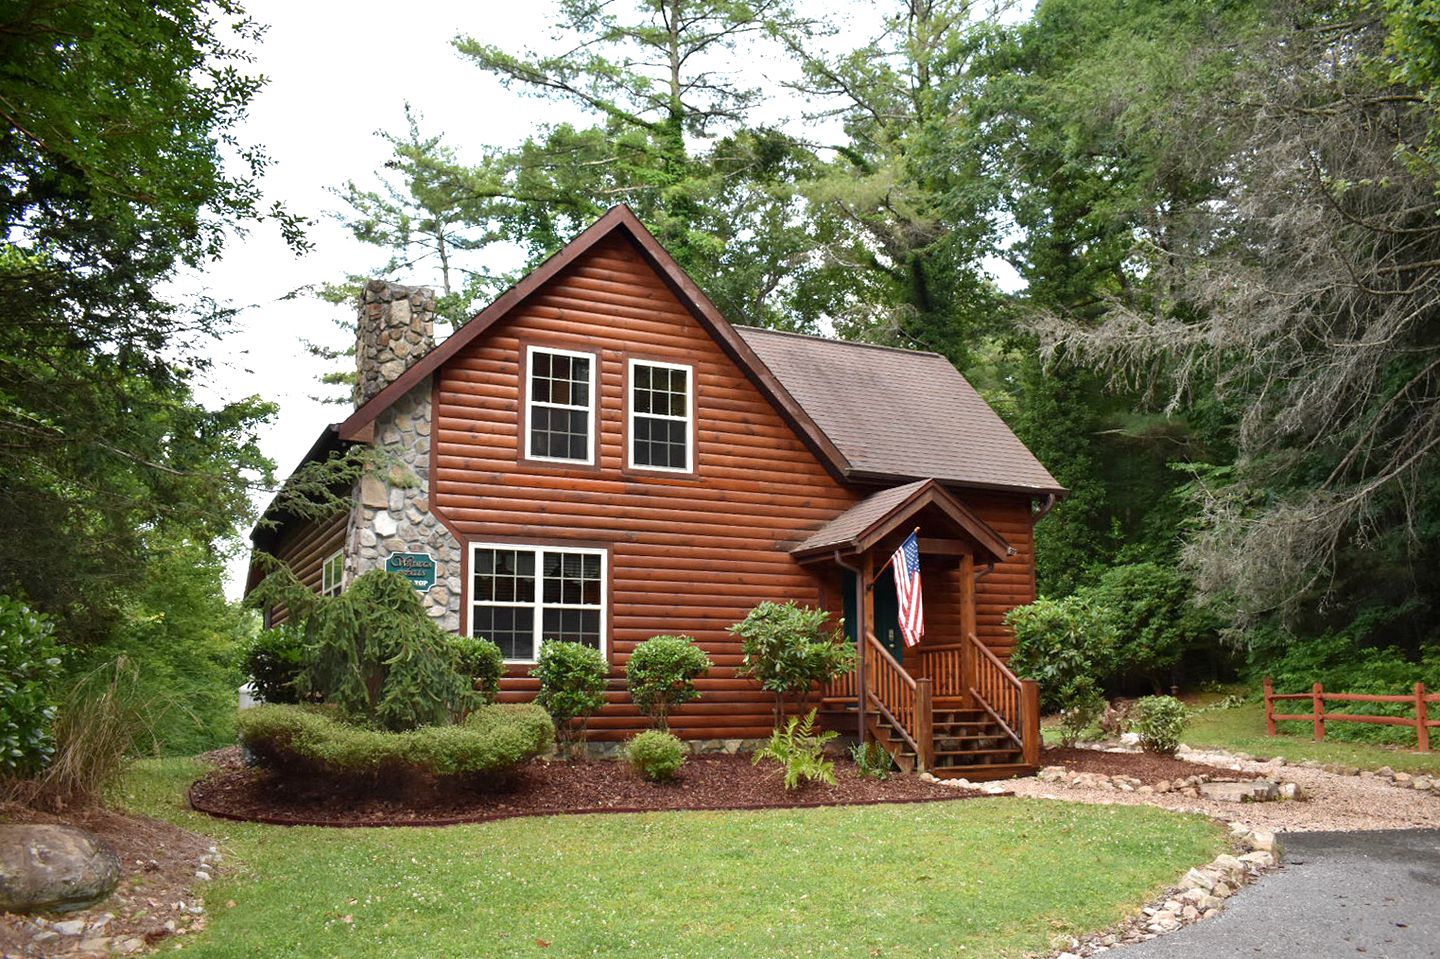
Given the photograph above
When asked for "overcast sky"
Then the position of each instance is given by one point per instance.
(338, 73)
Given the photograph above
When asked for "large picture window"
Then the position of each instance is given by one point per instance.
(560, 406)
(661, 413)
(522, 596)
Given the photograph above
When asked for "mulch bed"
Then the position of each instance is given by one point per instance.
(1146, 767)
(542, 788)
(158, 863)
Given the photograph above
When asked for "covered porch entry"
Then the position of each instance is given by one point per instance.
(948, 705)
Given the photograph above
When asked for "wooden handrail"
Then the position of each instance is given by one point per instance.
(1013, 703)
(905, 702)
(888, 659)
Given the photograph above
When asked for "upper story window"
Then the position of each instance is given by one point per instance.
(332, 574)
(560, 406)
(662, 403)
(522, 596)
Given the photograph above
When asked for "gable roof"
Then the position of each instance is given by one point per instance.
(868, 413)
(619, 219)
(880, 514)
(897, 414)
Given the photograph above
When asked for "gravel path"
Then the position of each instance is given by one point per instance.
(1334, 802)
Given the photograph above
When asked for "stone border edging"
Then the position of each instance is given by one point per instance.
(584, 811)
(1201, 894)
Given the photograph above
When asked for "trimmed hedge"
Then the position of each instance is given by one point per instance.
(311, 740)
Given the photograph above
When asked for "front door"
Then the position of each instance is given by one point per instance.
(887, 613)
(887, 616)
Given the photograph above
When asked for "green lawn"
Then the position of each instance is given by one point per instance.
(1242, 729)
(992, 878)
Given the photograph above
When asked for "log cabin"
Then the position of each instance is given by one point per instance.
(599, 456)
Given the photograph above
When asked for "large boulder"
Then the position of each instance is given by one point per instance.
(1252, 790)
(49, 868)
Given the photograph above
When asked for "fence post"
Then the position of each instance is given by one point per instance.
(1269, 706)
(1317, 698)
(1422, 716)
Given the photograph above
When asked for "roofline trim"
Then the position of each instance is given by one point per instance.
(872, 476)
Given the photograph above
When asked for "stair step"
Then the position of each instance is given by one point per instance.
(980, 752)
(986, 773)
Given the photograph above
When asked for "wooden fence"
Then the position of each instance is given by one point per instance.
(1420, 700)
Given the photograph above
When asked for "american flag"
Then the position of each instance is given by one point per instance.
(906, 562)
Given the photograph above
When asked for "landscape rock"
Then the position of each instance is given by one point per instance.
(53, 868)
(1255, 790)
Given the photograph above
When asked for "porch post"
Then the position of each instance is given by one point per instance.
(967, 624)
(866, 610)
(967, 593)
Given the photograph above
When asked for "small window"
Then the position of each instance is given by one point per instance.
(332, 575)
(661, 413)
(560, 406)
(522, 596)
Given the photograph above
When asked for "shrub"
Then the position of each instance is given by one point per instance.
(1154, 619)
(381, 659)
(273, 660)
(572, 688)
(1080, 706)
(656, 755)
(801, 750)
(1061, 644)
(789, 648)
(661, 674)
(29, 667)
(105, 717)
(481, 662)
(312, 740)
(1159, 720)
(871, 760)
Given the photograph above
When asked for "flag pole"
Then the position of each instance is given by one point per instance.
(914, 532)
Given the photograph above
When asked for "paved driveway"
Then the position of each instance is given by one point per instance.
(1340, 894)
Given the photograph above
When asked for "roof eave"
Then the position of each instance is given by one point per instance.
(861, 476)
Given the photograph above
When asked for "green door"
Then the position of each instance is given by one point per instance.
(887, 613)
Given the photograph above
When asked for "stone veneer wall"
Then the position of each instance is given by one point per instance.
(395, 327)
(392, 507)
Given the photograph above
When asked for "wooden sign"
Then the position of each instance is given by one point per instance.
(418, 568)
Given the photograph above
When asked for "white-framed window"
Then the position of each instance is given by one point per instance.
(332, 574)
(662, 411)
(560, 406)
(522, 596)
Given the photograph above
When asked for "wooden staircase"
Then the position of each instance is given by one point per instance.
(983, 725)
(967, 743)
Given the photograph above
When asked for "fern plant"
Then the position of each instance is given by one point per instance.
(871, 760)
(801, 750)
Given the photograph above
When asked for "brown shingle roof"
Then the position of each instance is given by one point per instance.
(868, 413)
(899, 413)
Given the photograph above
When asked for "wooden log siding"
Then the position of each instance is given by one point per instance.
(688, 553)
(304, 549)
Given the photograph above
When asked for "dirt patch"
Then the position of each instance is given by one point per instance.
(154, 900)
(549, 788)
(1146, 767)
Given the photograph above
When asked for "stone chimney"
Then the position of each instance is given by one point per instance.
(396, 327)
